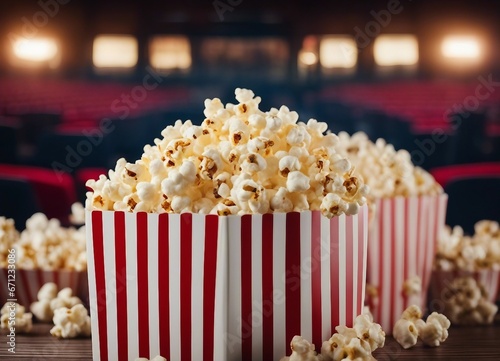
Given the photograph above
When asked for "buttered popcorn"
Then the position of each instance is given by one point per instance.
(456, 251)
(387, 172)
(239, 160)
(8, 237)
(49, 300)
(71, 322)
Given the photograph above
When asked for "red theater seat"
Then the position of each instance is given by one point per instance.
(55, 191)
(444, 175)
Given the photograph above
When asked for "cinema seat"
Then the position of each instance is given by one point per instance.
(18, 200)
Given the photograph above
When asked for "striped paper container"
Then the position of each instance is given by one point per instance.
(440, 280)
(402, 245)
(203, 287)
(29, 282)
(292, 274)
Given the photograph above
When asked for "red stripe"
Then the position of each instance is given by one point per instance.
(395, 289)
(55, 275)
(407, 248)
(142, 284)
(361, 255)
(39, 278)
(334, 273)
(292, 292)
(381, 258)
(26, 285)
(98, 243)
(349, 272)
(186, 274)
(317, 337)
(164, 285)
(246, 287)
(121, 287)
(209, 276)
(267, 288)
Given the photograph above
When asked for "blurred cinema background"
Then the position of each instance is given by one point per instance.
(83, 83)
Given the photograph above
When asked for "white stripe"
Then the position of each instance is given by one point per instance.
(221, 291)
(257, 329)
(198, 257)
(132, 282)
(326, 330)
(279, 277)
(356, 266)
(422, 209)
(386, 301)
(174, 238)
(365, 253)
(342, 254)
(92, 287)
(401, 241)
(153, 285)
(110, 276)
(373, 274)
(431, 241)
(234, 335)
(411, 234)
(305, 275)
(65, 280)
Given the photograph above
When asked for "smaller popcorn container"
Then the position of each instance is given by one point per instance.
(27, 283)
(402, 244)
(207, 287)
(488, 279)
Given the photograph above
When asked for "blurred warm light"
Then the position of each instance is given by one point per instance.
(307, 58)
(338, 52)
(37, 50)
(115, 51)
(461, 47)
(170, 52)
(392, 50)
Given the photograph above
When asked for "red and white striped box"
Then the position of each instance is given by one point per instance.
(28, 283)
(402, 244)
(204, 287)
(292, 274)
(440, 280)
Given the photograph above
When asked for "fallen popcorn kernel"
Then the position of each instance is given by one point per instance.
(71, 322)
(156, 358)
(435, 329)
(369, 332)
(302, 350)
(13, 315)
(49, 300)
(405, 332)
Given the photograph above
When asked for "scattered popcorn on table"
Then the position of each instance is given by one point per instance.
(302, 350)
(71, 322)
(46, 245)
(49, 300)
(8, 237)
(355, 343)
(387, 172)
(13, 316)
(410, 327)
(466, 303)
(240, 160)
(458, 252)
(156, 358)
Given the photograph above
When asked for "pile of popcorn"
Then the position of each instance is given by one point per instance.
(45, 244)
(240, 160)
(466, 303)
(455, 251)
(13, 316)
(411, 326)
(355, 343)
(8, 237)
(388, 173)
(49, 300)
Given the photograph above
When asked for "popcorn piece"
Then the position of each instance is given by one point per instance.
(239, 160)
(405, 333)
(8, 238)
(369, 332)
(50, 300)
(71, 322)
(302, 350)
(12, 315)
(435, 329)
(77, 216)
(412, 286)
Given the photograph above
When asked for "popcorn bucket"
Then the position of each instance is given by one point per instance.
(28, 283)
(402, 245)
(203, 287)
(292, 274)
(440, 280)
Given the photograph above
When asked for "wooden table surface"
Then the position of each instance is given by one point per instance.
(464, 343)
